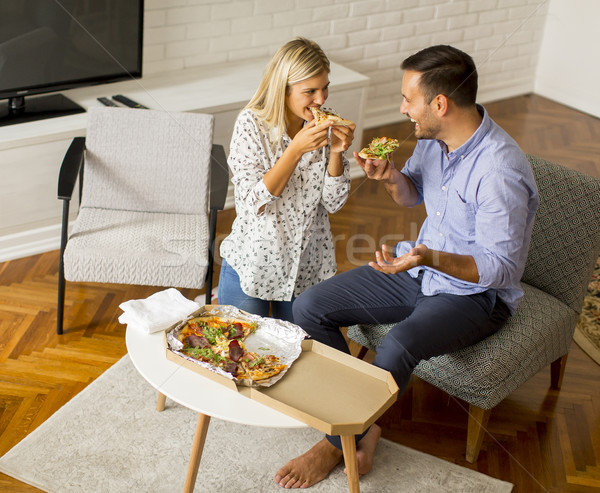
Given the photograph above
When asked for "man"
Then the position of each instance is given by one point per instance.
(459, 282)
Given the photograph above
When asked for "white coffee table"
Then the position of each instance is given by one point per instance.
(209, 399)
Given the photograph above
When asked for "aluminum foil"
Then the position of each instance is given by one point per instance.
(272, 336)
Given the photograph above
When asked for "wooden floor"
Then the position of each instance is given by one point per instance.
(539, 439)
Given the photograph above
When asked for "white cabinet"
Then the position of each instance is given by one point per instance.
(31, 153)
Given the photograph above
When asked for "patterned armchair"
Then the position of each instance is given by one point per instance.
(564, 247)
(148, 205)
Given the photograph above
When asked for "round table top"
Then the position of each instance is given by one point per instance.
(192, 390)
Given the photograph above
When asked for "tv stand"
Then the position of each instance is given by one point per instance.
(22, 110)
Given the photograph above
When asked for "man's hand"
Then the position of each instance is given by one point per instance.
(376, 169)
(399, 186)
(388, 264)
(455, 265)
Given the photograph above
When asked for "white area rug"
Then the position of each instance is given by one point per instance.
(110, 438)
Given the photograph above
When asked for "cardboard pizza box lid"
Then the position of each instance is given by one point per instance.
(331, 391)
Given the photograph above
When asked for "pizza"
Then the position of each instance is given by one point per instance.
(322, 116)
(379, 148)
(219, 341)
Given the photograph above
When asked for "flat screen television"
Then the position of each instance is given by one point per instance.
(52, 45)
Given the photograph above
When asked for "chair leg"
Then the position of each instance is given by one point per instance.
(557, 371)
(478, 420)
(208, 285)
(60, 308)
(212, 231)
(362, 353)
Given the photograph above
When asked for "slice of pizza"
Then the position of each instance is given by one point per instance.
(322, 116)
(215, 328)
(208, 355)
(255, 367)
(379, 148)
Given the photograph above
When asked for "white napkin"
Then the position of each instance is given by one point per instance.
(157, 312)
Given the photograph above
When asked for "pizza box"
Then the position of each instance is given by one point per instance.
(327, 389)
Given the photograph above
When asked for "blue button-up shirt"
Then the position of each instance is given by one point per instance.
(480, 200)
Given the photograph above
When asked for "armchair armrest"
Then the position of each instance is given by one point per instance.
(70, 167)
(219, 177)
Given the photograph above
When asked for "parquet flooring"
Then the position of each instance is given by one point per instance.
(539, 439)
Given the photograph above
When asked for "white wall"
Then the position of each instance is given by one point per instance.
(568, 69)
(369, 36)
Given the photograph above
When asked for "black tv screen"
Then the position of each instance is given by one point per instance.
(52, 45)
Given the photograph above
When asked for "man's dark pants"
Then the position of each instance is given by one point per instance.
(427, 325)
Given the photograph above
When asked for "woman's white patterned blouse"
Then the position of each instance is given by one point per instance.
(287, 247)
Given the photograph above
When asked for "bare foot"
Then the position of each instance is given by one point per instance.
(365, 449)
(309, 468)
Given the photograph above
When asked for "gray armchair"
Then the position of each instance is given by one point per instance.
(148, 208)
(564, 247)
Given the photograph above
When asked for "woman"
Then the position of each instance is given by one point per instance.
(288, 174)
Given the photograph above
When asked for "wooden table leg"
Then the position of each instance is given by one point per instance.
(196, 455)
(160, 402)
(349, 449)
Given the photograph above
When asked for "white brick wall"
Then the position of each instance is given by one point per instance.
(369, 36)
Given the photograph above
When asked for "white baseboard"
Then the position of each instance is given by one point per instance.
(30, 242)
(575, 98)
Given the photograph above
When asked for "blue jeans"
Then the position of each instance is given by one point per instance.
(230, 293)
(426, 326)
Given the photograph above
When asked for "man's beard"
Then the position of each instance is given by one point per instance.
(427, 129)
(426, 133)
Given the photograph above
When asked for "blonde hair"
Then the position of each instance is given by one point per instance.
(296, 61)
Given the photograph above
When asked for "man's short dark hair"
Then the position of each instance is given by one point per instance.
(445, 70)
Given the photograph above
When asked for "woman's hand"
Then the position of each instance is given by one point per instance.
(309, 138)
(341, 137)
